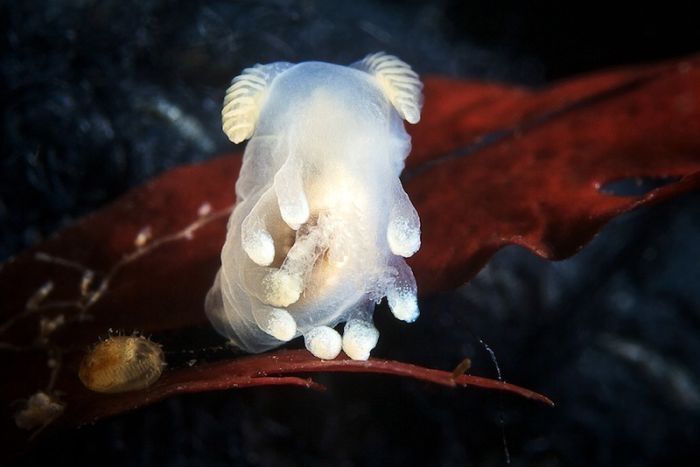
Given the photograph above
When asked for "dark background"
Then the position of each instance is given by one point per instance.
(99, 96)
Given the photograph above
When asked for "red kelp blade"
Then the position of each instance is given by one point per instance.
(269, 369)
(491, 166)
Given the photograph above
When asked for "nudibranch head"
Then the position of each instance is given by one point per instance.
(322, 224)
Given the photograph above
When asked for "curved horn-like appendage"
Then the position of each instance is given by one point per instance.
(398, 81)
(244, 99)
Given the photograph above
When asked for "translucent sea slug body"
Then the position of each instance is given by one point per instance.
(322, 223)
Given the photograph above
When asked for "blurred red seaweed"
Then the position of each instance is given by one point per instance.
(491, 166)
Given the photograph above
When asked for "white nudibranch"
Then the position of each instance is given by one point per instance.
(322, 224)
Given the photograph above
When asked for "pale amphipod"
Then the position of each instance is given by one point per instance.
(322, 224)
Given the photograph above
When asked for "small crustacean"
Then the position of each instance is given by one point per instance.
(322, 224)
(122, 363)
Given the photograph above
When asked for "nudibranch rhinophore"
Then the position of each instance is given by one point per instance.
(322, 224)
